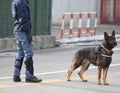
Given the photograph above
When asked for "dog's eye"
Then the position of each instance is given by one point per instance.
(113, 39)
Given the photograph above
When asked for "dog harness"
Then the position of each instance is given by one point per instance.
(106, 50)
(97, 53)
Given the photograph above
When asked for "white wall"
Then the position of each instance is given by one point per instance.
(61, 6)
(58, 8)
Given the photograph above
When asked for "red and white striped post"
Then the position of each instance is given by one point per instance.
(62, 26)
(71, 25)
(88, 24)
(80, 24)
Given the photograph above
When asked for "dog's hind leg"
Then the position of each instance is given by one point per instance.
(72, 68)
(76, 64)
(84, 66)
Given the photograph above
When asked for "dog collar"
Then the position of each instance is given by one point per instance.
(97, 52)
(105, 48)
(105, 55)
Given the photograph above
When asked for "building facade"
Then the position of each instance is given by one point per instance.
(108, 10)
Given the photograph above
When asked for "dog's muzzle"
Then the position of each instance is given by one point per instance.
(114, 44)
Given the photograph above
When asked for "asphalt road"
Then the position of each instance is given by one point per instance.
(51, 65)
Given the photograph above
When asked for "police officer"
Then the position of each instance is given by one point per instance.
(22, 32)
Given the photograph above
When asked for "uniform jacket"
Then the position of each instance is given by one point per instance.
(21, 15)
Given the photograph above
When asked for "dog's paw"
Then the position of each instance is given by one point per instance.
(69, 80)
(84, 80)
(99, 83)
(106, 83)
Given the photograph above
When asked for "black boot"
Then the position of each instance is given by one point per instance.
(30, 72)
(16, 79)
(32, 78)
(18, 65)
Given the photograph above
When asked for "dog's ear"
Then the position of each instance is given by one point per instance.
(113, 33)
(106, 36)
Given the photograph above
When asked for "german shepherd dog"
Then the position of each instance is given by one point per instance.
(100, 56)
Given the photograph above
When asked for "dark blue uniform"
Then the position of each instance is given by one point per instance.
(22, 32)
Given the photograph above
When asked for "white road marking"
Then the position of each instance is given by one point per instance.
(56, 72)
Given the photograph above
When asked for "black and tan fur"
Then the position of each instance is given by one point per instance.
(100, 56)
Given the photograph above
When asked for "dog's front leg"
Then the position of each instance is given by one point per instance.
(105, 75)
(99, 75)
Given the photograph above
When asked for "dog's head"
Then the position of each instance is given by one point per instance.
(110, 41)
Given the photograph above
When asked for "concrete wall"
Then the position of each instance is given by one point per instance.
(43, 42)
(39, 42)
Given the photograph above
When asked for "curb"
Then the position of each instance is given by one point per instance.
(91, 40)
(39, 42)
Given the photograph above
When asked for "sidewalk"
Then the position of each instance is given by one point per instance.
(56, 30)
